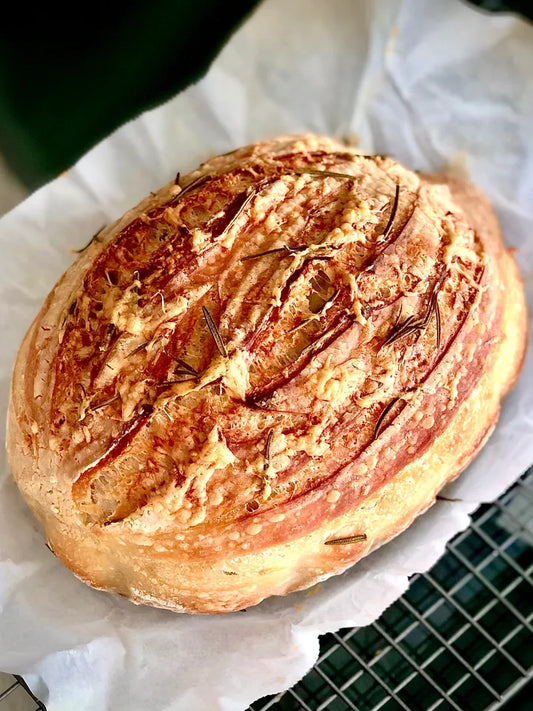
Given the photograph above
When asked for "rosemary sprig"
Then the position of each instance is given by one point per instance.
(186, 366)
(345, 541)
(105, 403)
(393, 211)
(438, 326)
(252, 192)
(196, 183)
(213, 330)
(325, 174)
(94, 238)
(291, 251)
(411, 324)
(381, 419)
(268, 447)
(137, 350)
(182, 373)
(277, 250)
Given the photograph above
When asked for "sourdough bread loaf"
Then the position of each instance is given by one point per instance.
(262, 372)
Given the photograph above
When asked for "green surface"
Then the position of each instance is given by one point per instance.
(68, 81)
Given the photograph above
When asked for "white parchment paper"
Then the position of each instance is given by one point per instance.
(436, 84)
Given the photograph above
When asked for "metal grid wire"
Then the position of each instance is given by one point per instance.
(460, 639)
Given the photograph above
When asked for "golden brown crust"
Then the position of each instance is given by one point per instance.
(298, 345)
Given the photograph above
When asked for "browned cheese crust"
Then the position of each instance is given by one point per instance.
(292, 345)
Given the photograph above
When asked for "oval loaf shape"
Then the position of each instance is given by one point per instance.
(262, 372)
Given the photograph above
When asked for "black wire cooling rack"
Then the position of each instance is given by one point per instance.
(460, 639)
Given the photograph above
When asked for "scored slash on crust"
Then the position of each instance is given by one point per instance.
(410, 325)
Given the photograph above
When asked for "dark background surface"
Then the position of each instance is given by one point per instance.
(66, 81)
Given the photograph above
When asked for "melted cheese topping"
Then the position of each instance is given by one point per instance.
(264, 305)
(122, 310)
